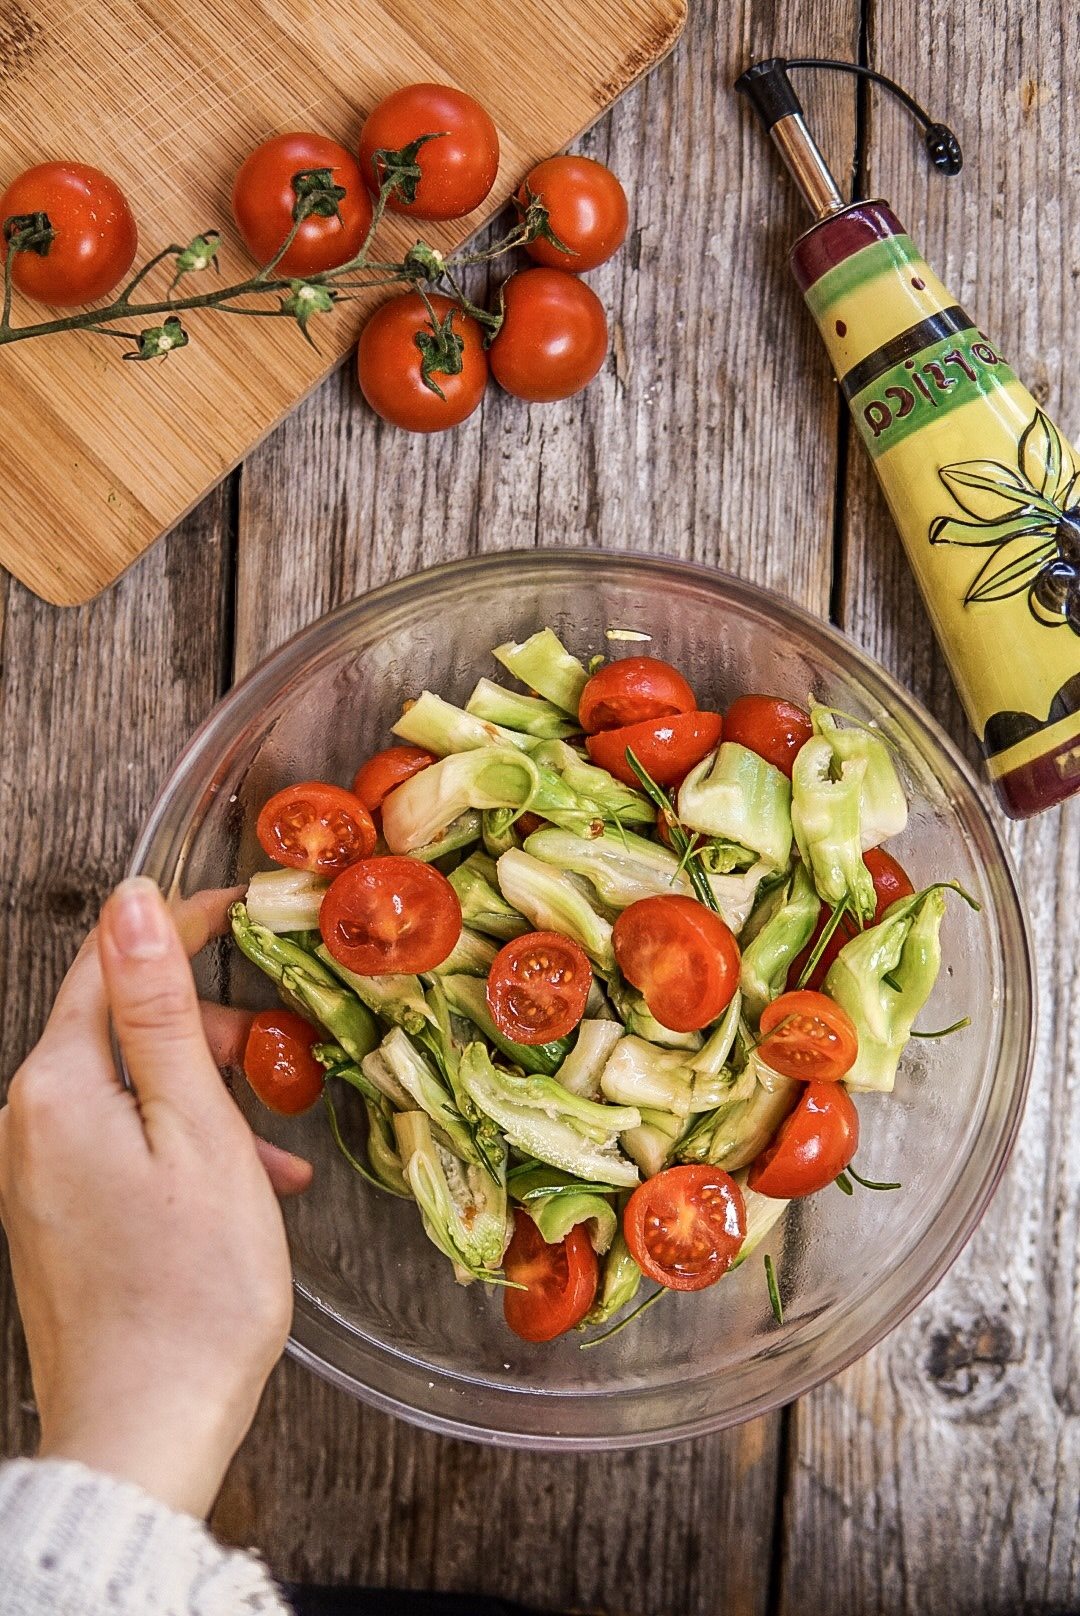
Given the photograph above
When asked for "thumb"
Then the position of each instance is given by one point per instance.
(155, 1008)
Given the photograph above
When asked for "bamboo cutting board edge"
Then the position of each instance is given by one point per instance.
(77, 565)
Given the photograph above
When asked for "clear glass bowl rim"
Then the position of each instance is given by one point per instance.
(158, 852)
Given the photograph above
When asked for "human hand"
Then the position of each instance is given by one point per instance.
(147, 1246)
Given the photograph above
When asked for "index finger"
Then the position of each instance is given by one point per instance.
(204, 915)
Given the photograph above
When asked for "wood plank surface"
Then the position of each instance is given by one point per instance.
(170, 108)
(942, 1473)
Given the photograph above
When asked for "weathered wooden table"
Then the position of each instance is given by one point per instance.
(942, 1473)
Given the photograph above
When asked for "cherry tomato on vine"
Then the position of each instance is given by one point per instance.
(560, 1280)
(264, 197)
(631, 691)
(586, 211)
(278, 1062)
(808, 1036)
(553, 337)
(685, 1226)
(390, 915)
(315, 826)
(667, 748)
(813, 1145)
(95, 238)
(387, 769)
(538, 986)
(457, 168)
(890, 883)
(772, 728)
(681, 956)
(399, 340)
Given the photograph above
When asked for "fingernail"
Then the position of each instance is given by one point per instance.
(137, 919)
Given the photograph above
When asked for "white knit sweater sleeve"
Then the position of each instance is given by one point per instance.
(74, 1543)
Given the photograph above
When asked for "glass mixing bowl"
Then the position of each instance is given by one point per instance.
(377, 1309)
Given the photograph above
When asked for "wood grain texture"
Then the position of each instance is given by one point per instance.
(170, 106)
(673, 450)
(942, 1472)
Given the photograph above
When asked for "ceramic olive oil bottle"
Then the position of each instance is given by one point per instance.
(983, 487)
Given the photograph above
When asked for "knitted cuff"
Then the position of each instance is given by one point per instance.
(75, 1543)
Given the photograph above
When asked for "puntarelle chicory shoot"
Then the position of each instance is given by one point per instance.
(524, 837)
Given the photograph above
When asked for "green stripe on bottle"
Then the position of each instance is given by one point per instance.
(929, 385)
(880, 258)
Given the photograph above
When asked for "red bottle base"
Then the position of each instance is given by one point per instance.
(1042, 784)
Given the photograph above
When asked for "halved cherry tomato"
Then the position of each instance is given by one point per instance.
(315, 826)
(457, 167)
(685, 1226)
(681, 956)
(95, 237)
(390, 364)
(390, 915)
(560, 1280)
(586, 210)
(631, 691)
(553, 337)
(808, 1036)
(391, 767)
(264, 197)
(278, 1062)
(890, 883)
(813, 1145)
(538, 986)
(667, 748)
(526, 823)
(772, 728)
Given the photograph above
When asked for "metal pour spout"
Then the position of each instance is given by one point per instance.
(770, 92)
(772, 95)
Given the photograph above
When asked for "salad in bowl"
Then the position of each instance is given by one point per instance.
(601, 969)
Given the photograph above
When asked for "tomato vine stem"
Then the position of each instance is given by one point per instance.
(300, 297)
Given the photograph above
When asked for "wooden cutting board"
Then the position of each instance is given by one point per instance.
(98, 457)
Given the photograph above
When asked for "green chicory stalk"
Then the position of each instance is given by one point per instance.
(471, 955)
(398, 999)
(883, 809)
(638, 1019)
(622, 867)
(544, 664)
(306, 985)
(466, 997)
(737, 797)
(641, 1074)
(552, 902)
(440, 727)
(463, 832)
(285, 900)
(580, 1072)
(620, 1281)
(906, 947)
(483, 906)
(769, 955)
(592, 786)
(421, 808)
(382, 1150)
(464, 1209)
(556, 1202)
(740, 1129)
(543, 1120)
(763, 1213)
(651, 1143)
(426, 1092)
(826, 794)
(531, 715)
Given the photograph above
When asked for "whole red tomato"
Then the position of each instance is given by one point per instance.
(586, 209)
(394, 346)
(264, 198)
(553, 337)
(452, 172)
(94, 240)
